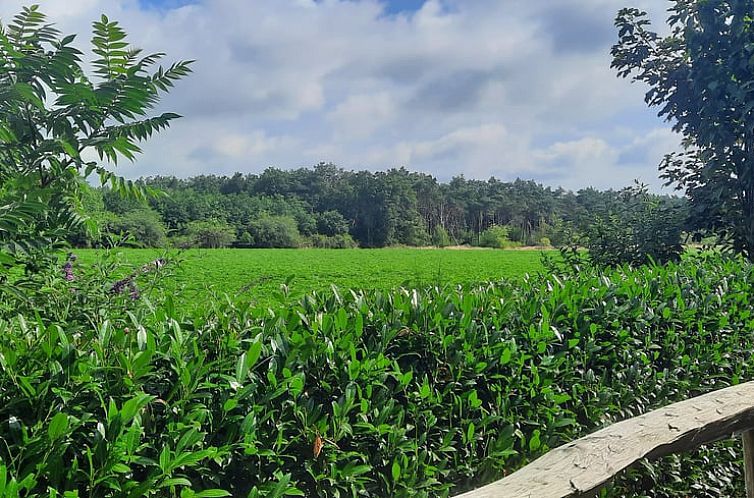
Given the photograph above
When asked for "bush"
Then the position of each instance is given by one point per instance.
(143, 225)
(643, 229)
(332, 223)
(245, 240)
(274, 231)
(211, 234)
(410, 232)
(335, 242)
(401, 393)
(306, 222)
(496, 237)
(182, 242)
(440, 237)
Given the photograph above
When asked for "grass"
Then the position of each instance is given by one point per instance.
(259, 273)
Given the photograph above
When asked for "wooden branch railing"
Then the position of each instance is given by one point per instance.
(582, 467)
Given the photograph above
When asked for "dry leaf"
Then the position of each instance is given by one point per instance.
(317, 448)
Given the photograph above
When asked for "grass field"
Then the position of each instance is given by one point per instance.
(258, 273)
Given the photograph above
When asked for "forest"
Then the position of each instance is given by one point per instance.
(330, 207)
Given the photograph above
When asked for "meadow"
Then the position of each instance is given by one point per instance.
(259, 273)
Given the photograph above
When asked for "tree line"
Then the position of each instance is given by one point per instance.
(328, 206)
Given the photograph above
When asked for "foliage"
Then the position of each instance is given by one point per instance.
(496, 237)
(342, 241)
(642, 228)
(93, 204)
(274, 231)
(700, 79)
(363, 393)
(143, 225)
(53, 116)
(440, 237)
(396, 207)
(210, 234)
(331, 223)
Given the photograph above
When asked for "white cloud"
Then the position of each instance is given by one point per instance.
(592, 161)
(247, 145)
(360, 115)
(474, 87)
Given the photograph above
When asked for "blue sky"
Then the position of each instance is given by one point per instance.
(514, 88)
(396, 6)
(391, 6)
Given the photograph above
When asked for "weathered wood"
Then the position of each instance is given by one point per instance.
(748, 442)
(582, 467)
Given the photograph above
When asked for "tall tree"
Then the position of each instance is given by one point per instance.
(700, 77)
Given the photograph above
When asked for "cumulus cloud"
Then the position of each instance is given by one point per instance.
(474, 87)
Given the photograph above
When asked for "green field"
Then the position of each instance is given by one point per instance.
(259, 273)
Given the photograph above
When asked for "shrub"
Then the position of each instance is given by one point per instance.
(210, 234)
(245, 240)
(182, 242)
(495, 236)
(642, 229)
(306, 222)
(331, 223)
(143, 225)
(410, 232)
(343, 241)
(274, 231)
(440, 237)
(363, 393)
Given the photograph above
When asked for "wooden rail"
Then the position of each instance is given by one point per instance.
(582, 467)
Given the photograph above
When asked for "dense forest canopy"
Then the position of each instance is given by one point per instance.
(327, 206)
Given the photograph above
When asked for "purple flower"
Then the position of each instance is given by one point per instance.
(128, 283)
(119, 286)
(124, 284)
(134, 292)
(68, 269)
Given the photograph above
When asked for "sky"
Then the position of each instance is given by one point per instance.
(480, 88)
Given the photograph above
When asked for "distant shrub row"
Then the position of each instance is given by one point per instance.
(271, 232)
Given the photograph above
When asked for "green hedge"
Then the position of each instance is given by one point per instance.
(408, 393)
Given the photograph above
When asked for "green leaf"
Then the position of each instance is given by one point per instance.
(27, 92)
(425, 390)
(134, 405)
(505, 357)
(230, 404)
(58, 426)
(69, 149)
(252, 356)
(212, 493)
(534, 442)
(281, 487)
(175, 481)
(165, 459)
